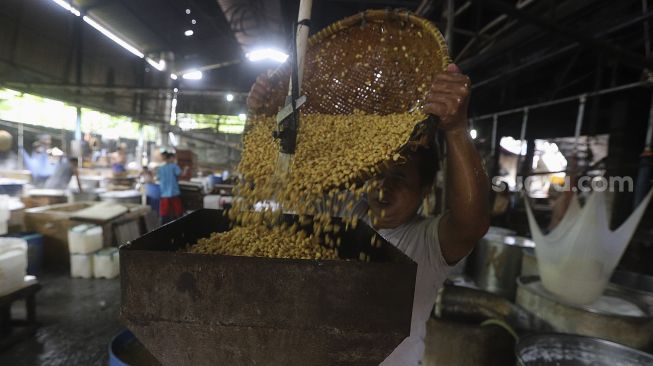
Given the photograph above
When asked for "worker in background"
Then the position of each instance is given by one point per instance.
(63, 173)
(146, 175)
(501, 205)
(39, 162)
(151, 188)
(95, 145)
(168, 174)
(561, 193)
(119, 160)
(435, 243)
(560, 199)
(8, 159)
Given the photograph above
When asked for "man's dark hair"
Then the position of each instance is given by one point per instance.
(73, 161)
(428, 163)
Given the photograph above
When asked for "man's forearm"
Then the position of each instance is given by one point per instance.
(467, 186)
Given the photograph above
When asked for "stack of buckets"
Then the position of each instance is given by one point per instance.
(87, 258)
(4, 214)
(13, 264)
(34, 241)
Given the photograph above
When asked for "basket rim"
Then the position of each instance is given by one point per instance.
(382, 15)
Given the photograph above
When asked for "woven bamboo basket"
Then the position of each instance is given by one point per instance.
(375, 62)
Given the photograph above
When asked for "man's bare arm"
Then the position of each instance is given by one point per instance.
(467, 184)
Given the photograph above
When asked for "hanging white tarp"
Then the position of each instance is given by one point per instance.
(577, 258)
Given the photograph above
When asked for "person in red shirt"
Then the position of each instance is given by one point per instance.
(170, 207)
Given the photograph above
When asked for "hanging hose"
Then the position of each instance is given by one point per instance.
(501, 324)
(478, 306)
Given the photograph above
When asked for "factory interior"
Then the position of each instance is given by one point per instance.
(326, 182)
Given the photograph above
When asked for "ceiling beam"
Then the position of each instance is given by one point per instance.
(507, 37)
(98, 88)
(402, 3)
(190, 135)
(164, 40)
(552, 54)
(626, 56)
(487, 28)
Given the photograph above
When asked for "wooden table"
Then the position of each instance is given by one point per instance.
(14, 330)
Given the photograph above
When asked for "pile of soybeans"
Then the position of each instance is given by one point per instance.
(335, 159)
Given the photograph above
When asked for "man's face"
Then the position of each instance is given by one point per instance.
(401, 196)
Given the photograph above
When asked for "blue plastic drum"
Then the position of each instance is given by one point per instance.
(126, 350)
(216, 179)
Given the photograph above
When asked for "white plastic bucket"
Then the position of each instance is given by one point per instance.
(13, 264)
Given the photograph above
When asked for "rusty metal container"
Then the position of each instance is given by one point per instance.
(197, 309)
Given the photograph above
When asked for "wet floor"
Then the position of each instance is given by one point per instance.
(78, 319)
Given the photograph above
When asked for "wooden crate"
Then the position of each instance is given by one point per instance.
(54, 221)
(40, 201)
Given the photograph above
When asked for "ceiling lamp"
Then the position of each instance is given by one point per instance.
(113, 37)
(267, 54)
(161, 65)
(192, 75)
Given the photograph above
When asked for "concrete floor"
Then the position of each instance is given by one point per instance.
(79, 317)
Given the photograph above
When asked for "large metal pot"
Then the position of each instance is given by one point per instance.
(634, 284)
(496, 263)
(464, 344)
(616, 316)
(529, 263)
(573, 350)
(497, 230)
(90, 183)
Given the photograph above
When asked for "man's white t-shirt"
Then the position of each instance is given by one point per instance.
(419, 240)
